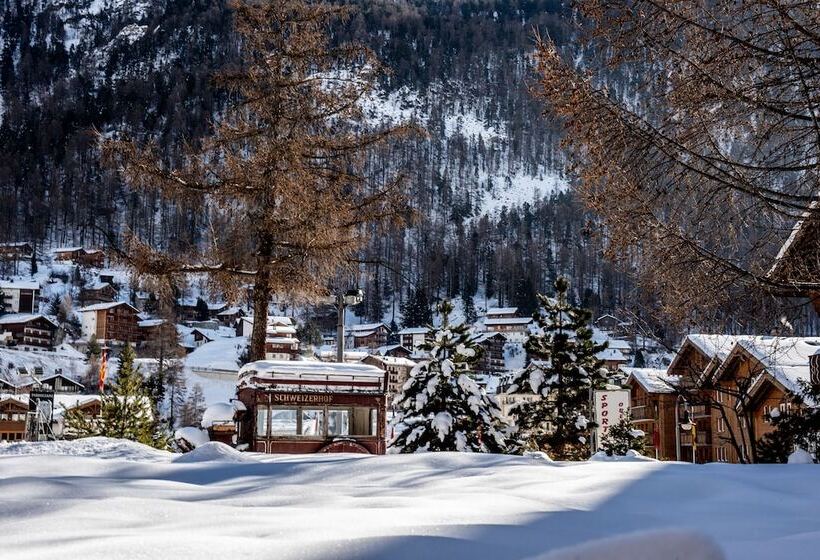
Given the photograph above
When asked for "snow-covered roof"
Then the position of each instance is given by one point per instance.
(652, 380)
(282, 340)
(14, 244)
(508, 321)
(797, 232)
(487, 336)
(611, 355)
(784, 358)
(617, 344)
(229, 311)
(98, 286)
(414, 330)
(371, 327)
(280, 329)
(395, 361)
(279, 320)
(216, 306)
(147, 323)
(502, 311)
(220, 413)
(17, 318)
(383, 350)
(19, 285)
(66, 249)
(105, 306)
(714, 345)
(289, 375)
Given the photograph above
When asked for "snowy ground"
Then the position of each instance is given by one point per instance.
(106, 499)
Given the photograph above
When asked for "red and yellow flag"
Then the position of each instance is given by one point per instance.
(103, 368)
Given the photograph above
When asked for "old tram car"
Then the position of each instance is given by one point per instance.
(312, 407)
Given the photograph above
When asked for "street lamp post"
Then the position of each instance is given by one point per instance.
(350, 297)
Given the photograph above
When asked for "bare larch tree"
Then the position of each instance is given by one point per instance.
(282, 179)
(701, 164)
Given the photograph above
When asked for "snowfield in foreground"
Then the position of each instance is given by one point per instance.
(103, 498)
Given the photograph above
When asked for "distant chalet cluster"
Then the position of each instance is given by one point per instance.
(710, 400)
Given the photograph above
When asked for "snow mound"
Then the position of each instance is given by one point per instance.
(192, 435)
(801, 457)
(99, 447)
(539, 455)
(654, 545)
(214, 452)
(218, 413)
(631, 456)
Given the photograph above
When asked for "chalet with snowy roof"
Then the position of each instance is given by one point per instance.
(502, 312)
(770, 369)
(516, 329)
(98, 292)
(80, 256)
(369, 335)
(491, 361)
(114, 322)
(20, 296)
(150, 330)
(798, 260)
(14, 251)
(13, 415)
(280, 339)
(29, 331)
(413, 337)
(612, 358)
(653, 409)
(61, 383)
(230, 315)
(397, 369)
(312, 407)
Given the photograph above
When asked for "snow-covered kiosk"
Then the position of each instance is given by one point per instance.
(312, 407)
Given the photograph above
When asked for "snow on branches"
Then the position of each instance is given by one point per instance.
(441, 407)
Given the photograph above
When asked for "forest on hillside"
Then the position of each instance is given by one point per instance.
(498, 219)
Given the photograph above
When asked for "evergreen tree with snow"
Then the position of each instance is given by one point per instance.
(562, 372)
(126, 410)
(441, 407)
(622, 437)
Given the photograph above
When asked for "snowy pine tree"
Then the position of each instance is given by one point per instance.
(126, 411)
(441, 407)
(563, 370)
(416, 309)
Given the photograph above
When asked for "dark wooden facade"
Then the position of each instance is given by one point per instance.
(31, 331)
(12, 419)
(313, 413)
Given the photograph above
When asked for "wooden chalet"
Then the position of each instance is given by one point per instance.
(653, 409)
(115, 322)
(80, 256)
(61, 383)
(393, 350)
(13, 416)
(280, 339)
(20, 296)
(504, 320)
(798, 260)
(492, 357)
(16, 251)
(30, 332)
(758, 379)
(99, 292)
(229, 316)
(370, 335)
(312, 407)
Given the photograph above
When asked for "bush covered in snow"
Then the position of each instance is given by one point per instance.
(622, 437)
